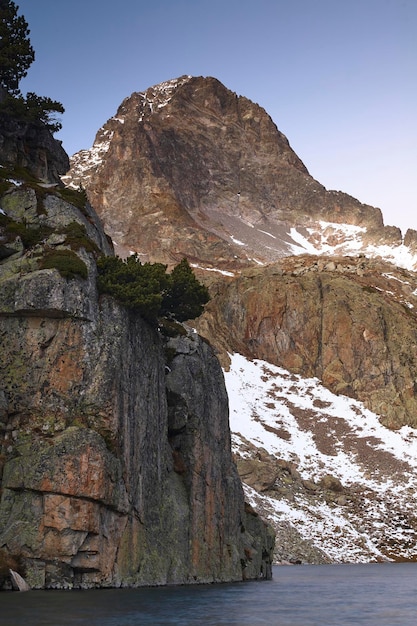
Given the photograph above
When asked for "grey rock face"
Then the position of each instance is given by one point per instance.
(199, 434)
(115, 458)
(33, 147)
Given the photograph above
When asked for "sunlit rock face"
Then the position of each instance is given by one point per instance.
(349, 321)
(189, 168)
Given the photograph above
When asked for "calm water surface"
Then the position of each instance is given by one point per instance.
(305, 595)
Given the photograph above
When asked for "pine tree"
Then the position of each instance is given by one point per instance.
(138, 287)
(16, 56)
(150, 291)
(186, 296)
(16, 52)
(44, 110)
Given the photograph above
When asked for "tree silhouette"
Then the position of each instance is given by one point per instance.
(16, 52)
(186, 296)
(16, 56)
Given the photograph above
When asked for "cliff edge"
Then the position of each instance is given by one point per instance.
(115, 461)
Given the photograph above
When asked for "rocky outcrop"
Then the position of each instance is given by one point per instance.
(198, 431)
(410, 239)
(115, 462)
(32, 147)
(350, 322)
(279, 479)
(188, 168)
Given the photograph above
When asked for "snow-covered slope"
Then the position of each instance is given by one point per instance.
(336, 475)
(331, 239)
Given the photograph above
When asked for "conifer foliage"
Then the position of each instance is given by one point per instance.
(185, 296)
(16, 56)
(150, 291)
(16, 52)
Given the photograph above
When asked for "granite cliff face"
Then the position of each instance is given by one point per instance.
(105, 482)
(115, 460)
(32, 147)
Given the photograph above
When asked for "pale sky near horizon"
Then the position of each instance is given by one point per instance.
(338, 77)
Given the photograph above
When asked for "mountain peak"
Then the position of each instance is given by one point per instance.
(189, 168)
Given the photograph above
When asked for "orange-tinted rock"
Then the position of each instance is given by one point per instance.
(349, 322)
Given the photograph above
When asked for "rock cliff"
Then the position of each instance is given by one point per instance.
(115, 459)
(348, 321)
(32, 147)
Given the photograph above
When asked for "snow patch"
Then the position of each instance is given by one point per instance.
(237, 241)
(266, 233)
(212, 269)
(160, 95)
(300, 421)
(347, 239)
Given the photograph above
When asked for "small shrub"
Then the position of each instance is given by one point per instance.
(76, 197)
(5, 185)
(68, 264)
(171, 328)
(76, 234)
(76, 237)
(16, 172)
(30, 235)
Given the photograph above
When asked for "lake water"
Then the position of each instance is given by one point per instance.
(304, 595)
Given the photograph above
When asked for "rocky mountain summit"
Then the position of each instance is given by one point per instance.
(115, 456)
(188, 168)
(312, 312)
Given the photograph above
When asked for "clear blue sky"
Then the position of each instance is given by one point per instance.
(338, 77)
